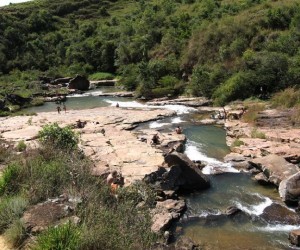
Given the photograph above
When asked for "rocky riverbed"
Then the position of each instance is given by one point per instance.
(270, 149)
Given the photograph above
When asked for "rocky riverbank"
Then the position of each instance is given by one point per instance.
(107, 138)
(270, 149)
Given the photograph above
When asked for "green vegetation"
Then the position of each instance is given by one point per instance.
(225, 50)
(62, 237)
(255, 133)
(21, 146)
(57, 168)
(52, 134)
(253, 108)
(101, 76)
(287, 98)
(237, 143)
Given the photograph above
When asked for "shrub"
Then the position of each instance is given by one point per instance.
(21, 146)
(9, 181)
(161, 92)
(101, 76)
(11, 208)
(287, 98)
(251, 115)
(62, 237)
(4, 153)
(237, 143)
(257, 134)
(16, 233)
(239, 86)
(52, 134)
(111, 223)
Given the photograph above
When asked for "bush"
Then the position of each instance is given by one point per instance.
(52, 134)
(112, 223)
(239, 86)
(21, 146)
(237, 143)
(101, 76)
(9, 181)
(287, 98)
(62, 237)
(257, 134)
(161, 92)
(16, 233)
(11, 209)
(251, 115)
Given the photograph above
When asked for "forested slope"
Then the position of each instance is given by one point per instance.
(217, 48)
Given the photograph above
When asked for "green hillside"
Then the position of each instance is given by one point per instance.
(224, 49)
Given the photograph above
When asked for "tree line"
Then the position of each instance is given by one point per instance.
(225, 50)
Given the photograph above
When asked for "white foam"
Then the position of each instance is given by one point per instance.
(204, 214)
(255, 209)
(278, 228)
(157, 124)
(177, 120)
(129, 104)
(193, 151)
(179, 109)
(90, 93)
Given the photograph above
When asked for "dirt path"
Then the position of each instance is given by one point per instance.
(3, 244)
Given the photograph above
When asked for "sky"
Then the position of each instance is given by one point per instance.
(6, 2)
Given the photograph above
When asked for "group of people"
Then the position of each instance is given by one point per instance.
(155, 138)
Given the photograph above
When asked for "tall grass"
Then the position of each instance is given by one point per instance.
(11, 209)
(287, 98)
(101, 76)
(251, 115)
(62, 237)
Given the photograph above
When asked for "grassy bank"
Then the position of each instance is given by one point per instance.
(106, 222)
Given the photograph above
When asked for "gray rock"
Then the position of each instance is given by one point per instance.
(261, 179)
(289, 189)
(280, 214)
(275, 168)
(183, 174)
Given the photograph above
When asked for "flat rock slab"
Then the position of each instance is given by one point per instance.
(115, 148)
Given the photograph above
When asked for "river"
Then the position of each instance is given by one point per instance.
(203, 221)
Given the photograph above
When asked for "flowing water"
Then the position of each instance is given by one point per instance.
(203, 221)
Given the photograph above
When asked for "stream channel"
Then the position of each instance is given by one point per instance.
(203, 221)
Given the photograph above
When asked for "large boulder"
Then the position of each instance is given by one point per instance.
(289, 189)
(280, 214)
(184, 174)
(165, 213)
(275, 168)
(80, 83)
(52, 212)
